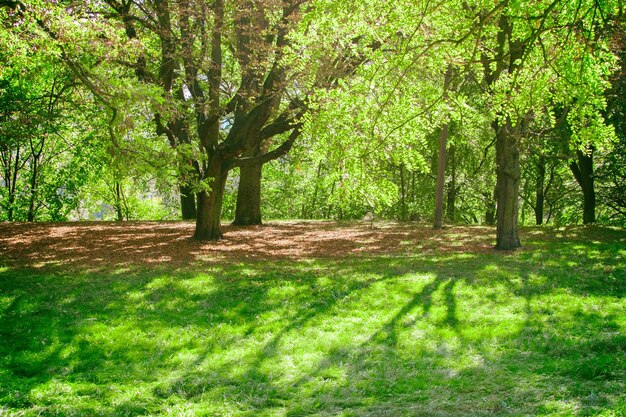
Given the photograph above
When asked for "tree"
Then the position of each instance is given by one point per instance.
(441, 162)
(35, 100)
(519, 66)
(611, 174)
(229, 74)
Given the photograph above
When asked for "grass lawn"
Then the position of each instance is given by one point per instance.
(411, 332)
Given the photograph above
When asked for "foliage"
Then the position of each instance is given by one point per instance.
(362, 82)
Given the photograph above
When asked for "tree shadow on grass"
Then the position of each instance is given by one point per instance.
(447, 335)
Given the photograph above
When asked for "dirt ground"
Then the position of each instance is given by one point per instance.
(100, 244)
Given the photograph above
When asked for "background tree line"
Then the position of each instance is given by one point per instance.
(477, 112)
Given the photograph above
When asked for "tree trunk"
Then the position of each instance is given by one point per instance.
(10, 208)
(118, 202)
(452, 190)
(187, 202)
(441, 161)
(583, 172)
(11, 182)
(330, 206)
(248, 210)
(441, 177)
(315, 191)
(33, 191)
(540, 190)
(210, 207)
(490, 207)
(507, 188)
(402, 194)
(490, 215)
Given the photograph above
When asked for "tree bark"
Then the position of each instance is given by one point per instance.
(583, 172)
(315, 191)
(10, 208)
(33, 191)
(490, 215)
(441, 161)
(187, 202)
(441, 176)
(540, 190)
(248, 209)
(330, 206)
(11, 182)
(210, 207)
(507, 187)
(490, 208)
(402, 194)
(118, 202)
(452, 189)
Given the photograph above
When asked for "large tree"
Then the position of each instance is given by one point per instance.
(227, 85)
(236, 79)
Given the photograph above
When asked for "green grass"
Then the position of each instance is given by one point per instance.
(541, 331)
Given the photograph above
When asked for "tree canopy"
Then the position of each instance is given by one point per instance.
(509, 112)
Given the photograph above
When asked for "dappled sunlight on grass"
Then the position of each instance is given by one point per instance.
(534, 332)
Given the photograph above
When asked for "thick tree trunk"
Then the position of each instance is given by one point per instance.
(187, 202)
(210, 207)
(507, 188)
(583, 172)
(539, 190)
(589, 204)
(248, 210)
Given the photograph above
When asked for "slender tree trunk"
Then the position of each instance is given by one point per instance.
(452, 190)
(490, 208)
(402, 194)
(118, 202)
(248, 210)
(13, 186)
(210, 207)
(10, 196)
(33, 191)
(583, 172)
(540, 190)
(507, 188)
(412, 215)
(441, 177)
(10, 208)
(330, 206)
(441, 161)
(315, 190)
(187, 202)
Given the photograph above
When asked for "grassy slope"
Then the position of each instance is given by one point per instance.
(538, 332)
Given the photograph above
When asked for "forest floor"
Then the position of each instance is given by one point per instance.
(310, 318)
(96, 244)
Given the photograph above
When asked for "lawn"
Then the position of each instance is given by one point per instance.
(303, 319)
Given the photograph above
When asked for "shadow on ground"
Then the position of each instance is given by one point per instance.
(536, 332)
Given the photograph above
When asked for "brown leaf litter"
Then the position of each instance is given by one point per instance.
(100, 244)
